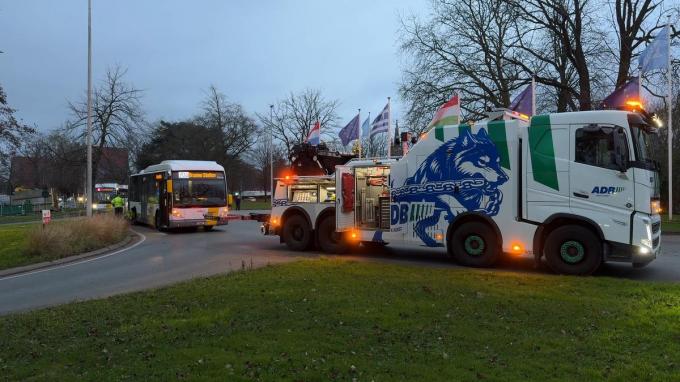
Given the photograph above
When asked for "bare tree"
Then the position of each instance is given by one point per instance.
(12, 133)
(117, 115)
(259, 157)
(463, 48)
(294, 116)
(238, 129)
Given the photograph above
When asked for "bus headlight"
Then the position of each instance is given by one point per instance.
(176, 213)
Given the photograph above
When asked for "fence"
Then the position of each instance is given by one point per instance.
(9, 210)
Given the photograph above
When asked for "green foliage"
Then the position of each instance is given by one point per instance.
(182, 140)
(13, 239)
(334, 320)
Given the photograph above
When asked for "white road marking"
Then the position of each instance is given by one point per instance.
(77, 262)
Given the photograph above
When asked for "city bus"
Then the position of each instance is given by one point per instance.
(104, 192)
(179, 193)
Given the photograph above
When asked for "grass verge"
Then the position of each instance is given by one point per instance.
(29, 244)
(333, 320)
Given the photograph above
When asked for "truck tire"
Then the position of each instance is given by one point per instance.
(474, 244)
(329, 240)
(573, 250)
(296, 233)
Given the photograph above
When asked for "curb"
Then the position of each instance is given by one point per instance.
(46, 264)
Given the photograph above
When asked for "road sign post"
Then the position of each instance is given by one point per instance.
(46, 217)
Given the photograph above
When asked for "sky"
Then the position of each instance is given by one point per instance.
(254, 51)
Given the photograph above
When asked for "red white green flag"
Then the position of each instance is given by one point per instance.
(448, 113)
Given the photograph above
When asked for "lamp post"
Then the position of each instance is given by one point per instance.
(88, 192)
(271, 155)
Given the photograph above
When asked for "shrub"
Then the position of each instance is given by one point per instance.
(71, 237)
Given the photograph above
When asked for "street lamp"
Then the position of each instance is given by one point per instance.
(89, 109)
(271, 155)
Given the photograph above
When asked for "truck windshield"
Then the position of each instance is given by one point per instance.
(199, 192)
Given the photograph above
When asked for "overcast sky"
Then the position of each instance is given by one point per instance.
(255, 52)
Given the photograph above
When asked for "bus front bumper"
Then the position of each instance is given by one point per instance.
(197, 222)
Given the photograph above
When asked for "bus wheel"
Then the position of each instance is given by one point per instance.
(329, 240)
(133, 216)
(573, 250)
(474, 244)
(296, 233)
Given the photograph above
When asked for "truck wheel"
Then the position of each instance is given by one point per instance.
(329, 240)
(474, 244)
(573, 250)
(296, 233)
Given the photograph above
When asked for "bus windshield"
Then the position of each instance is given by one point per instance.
(193, 191)
(103, 195)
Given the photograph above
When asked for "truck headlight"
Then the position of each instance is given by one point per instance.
(655, 206)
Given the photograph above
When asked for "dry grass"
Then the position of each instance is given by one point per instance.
(70, 237)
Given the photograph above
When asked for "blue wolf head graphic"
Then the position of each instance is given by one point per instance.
(472, 162)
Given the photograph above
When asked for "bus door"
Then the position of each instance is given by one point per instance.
(161, 199)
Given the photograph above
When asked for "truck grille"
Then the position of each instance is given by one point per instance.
(655, 241)
(656, 226)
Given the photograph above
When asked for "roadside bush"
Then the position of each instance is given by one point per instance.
(71, 237)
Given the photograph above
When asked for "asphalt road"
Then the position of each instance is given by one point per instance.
(158, 259)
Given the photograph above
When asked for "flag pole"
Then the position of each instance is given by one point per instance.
(369, 133)
(359, 117)
(533, 94)
(670, 125)
(389, 127)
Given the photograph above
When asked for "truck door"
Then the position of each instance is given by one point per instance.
(599, 189)
(344, 198)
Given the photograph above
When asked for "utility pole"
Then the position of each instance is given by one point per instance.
(88, 192)
(271, 155)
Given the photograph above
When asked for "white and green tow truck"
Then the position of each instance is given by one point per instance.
(577, 189)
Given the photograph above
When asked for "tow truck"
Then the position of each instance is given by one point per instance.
(577, 189)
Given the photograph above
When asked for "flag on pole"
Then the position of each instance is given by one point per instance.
(381, 123)
(351, 131)
(314, 137)
(629, 91)
(523, 102)
(655, 56)
(366, 127)
(448, 113)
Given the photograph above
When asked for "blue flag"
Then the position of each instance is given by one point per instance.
(522, 103)
(629, 90)
(366, 127)
(655, 56)
(350, 132)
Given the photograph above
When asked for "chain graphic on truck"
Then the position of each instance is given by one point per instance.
(467, 168)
